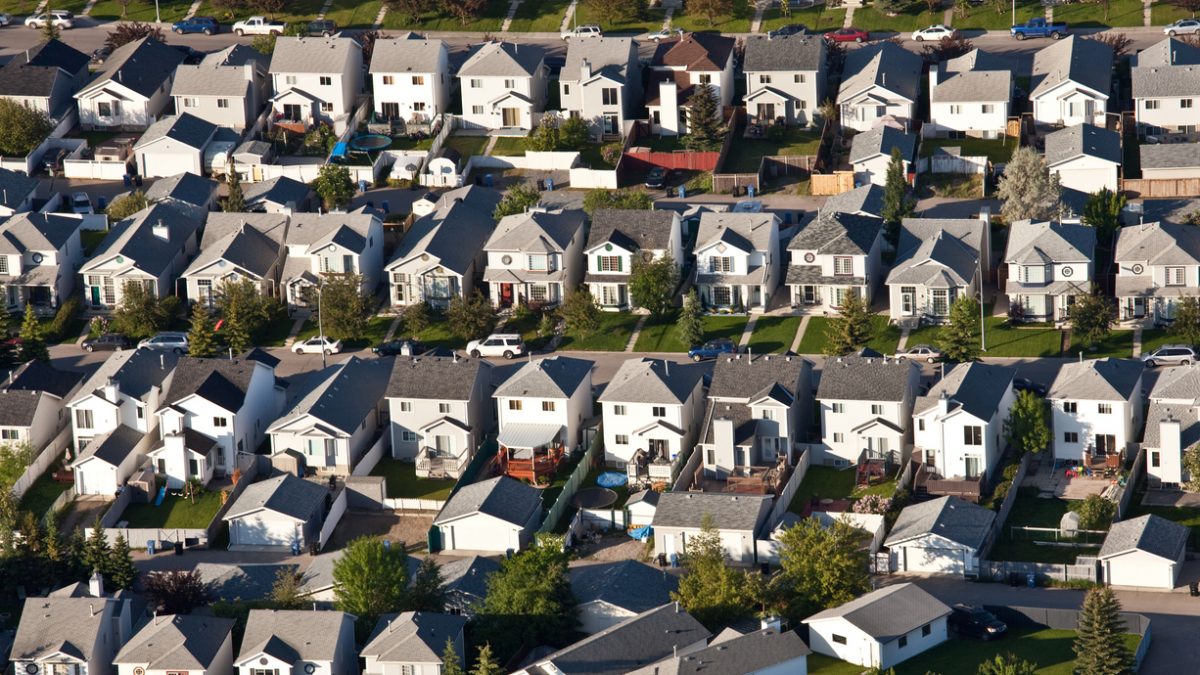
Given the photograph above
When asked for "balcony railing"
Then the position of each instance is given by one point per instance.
(542, 465)
(432, 465)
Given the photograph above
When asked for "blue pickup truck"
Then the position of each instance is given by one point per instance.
(1038, 28)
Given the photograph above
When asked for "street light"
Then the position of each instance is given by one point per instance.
(158, 16)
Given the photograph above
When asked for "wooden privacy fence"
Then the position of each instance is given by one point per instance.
(1156, 188)
(831, 183)
(679, 159)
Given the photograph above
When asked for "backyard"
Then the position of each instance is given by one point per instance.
(466, 145)
(884, 337)
(38, 498)
(745, 155)
(1032, 510)
(403, 483)
(176, 511)
(997, 150)
(826, 482)
(661, 336)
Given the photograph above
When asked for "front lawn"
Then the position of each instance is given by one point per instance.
(438, 334)
(736, 22)
(490, 20)
(745, 155)
(884, 337)
(1163, 13)
(403, 483)
(1153, 338)
(1031, 510)
(175, 512)
(467, 145)
(915, 16)
(651, 21)
(275, 333)
(661, 336)
(611, 336)
(1121, 13)
(347, 13)
(818, 19)
(110, 10)
(38, 498)
(774, 334)
(997, 149)
(543, 16)
(1118, 344)
(1002, 339)
(986, 16)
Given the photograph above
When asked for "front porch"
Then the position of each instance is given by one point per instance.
(531, 452)
(25, 291)
(736, 297)
(507, 289)
(612, 296)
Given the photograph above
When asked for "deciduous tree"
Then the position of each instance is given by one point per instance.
(705, 131)
(344, 306)
(201, 339)
(1186, 325)
(518, 198)
(1028, 425)
(176, 591)
(1118, 42)
(652, 283)
(959, 338)
(15, 457)
(463, 10)
(285, 592)
(1103, 212)
(1027, 189)
(580, 312)
(245, 311)
(139, 313)
(471, 317)
(611, 12)
(1091, 317)
(334, 185)
(416, 318)
(529, 599)
(545, 138)
(712, 591)
(1095, 512)
(21, 129)
(126, 205)
(132, 31)
(850, 329)
(1190, 6)
(371, 579)
(1099, 643)
(1007, 664)
(819, 568)
(573, 134)
(711, 9)
(690, 326)
(1191, 463)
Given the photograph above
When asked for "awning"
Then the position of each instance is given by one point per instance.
(528, 435)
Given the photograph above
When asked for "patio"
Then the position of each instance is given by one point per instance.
(1068, 484)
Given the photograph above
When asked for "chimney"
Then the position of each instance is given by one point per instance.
(111, 390)
(723, 434)
(585, 70)
(96, 585)
(943, 404)
(1169, 442)
(161, 230)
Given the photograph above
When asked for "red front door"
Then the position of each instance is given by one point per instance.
(506, 295)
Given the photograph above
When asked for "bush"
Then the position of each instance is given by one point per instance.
(399, 183)
(875, 504)
(1010, 471)
(170, 307)
(1000, 493)
(611, 152)
(66, 313)
(1095, 513)
(97, 326)
(701, 182)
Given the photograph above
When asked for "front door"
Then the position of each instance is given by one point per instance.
(906, 303)
(95, 296)
(506, 295)
(389, 111)
(330, 452)
(510, 117)
(810, 295)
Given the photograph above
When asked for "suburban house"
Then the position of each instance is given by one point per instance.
(866, 408)
(237, 247)
(503, 85)
(1050, 264)
(534, 258)
(601, 83)
(297, 642)
(615, 237)
(68, 634)
(330, 243)
(959, 423)
(970, 96)
(410, 77)
(439, 409)
(1071, 82)
(785, 78)
(39, 253)
(1172, 426)
(174, 144)
(739, 518)
(45, 78)
(871, 153)
(32, 399)
(278, 195)
(17, 190)
(412, 643)
(497, 515)
(1157, 264)
(316, 80)
(465, 583)
(151, 248)
(132, 87)
(1146, 551)
(651, 408)
(609, 593)
(677, 68)
(938, 259)
(337, 420)
(1085, 157)
(737, 260)
(433, 263)
(946, 535)
(189, 643)
(1096, 409)
(187, 188)
(228, 88)
(882, 628)
(279, 512)
(1165, 80)
(879, 81)
(1167, 162)
(865, 200)
(541, 410)
(834, 255)
(767, 650)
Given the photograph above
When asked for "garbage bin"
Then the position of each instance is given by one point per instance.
(1031, 580)
(137, 180)
(549, 185)
(385, 206)
(179, 548)
(682, 191)
(1194, 588)
(1014, 579)
(295, 548)
(150, 547)
(362, 186)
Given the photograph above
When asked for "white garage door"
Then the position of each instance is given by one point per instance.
(939, 560)
(255, 530)
(161, 164)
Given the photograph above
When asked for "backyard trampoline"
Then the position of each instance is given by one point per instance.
(594, 498)
(370, 142)
(611, 479)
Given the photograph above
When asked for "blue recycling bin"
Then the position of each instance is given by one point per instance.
(128, 180)
(750, 191)
(488, 180)
(101, 203)
(387, 545)
(150, 547)
(682, 191)
(370, 203)
(387, 208)
(1031, 580)
(295, 548)
(362, 186)
(549, 185)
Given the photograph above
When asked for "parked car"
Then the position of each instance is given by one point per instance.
(81, 203)
(1182, 27)
(318, 345)
(933, 33)
(508, 345)
(657, 177)
(848, 35)
(926, 353)
(5, 19)
(322, 28)
(975, 622)
(101, 54)
(1170, 354)
(60, 18)
(660, 35)
(197, 24)
(109, 342)
(790, 29)
(166, 342)
(712, 349)
(52, 161)
(1025, 384)
(582, 31)
(399, 348)
(258, 25)
(1038, 27)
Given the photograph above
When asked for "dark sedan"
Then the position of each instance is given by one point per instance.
(109, 342)
(713, 349)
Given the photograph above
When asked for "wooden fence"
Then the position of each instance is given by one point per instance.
(1000, 570)
(1125, 492)
(832, 183)
(1159, 188)
(1009, 499)
(45, 458)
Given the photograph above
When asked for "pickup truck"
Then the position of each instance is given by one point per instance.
(1038, 28)
(258, 25)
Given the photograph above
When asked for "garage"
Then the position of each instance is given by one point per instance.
(173, 145)
(941, 536)
(264, 529)
(1147, 552)
(924, 557)
(277, 512)
(496, 515)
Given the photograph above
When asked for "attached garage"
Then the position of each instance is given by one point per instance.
(1147, 551)
(278, 512)
(174, 145)
(942, 536)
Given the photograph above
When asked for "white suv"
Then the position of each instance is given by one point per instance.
(508, 345)
(582, 31)
(61, 19)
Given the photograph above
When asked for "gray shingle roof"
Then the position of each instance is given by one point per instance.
(1167, 52)
(142, 65)
(211, 78)
(1075, 59)
(976, 387)
(628, 584)
(949, 517)
(445, 378)
(501, 497)
(648, 380)
(883, 65)
(1104, 379)
(866, 199)
(979, 60)
(784, 53)
(838, 234)
(1180, 384)
(1185, 415)
(136, 372)
(747, 378)
(300, 634)
(177, 642)
(281, 190)
(536, 231)
(58, 624)
(744, 513)
(952, 244)
(731, 652)
(17, 408)
(1173, 156)
(887, 613)
(40, 376)
(407, 55)
(468, 576)
(412, 637)
(223, 382)
(15, 187)
(502, 59)
(974, 85)
(853, 378)
(613, 55)
(33, 72)
(1149, 533)
(633, 230)
(1083, 140)
(37, 232)
(634, 643)
(1159, 243)
(183, 187)
(324, 55)
(1164, 81)
(250, 241)
(748, 231)
(285, 494)
(1045, 242)
(134, 238)
(342, 395)
(551, 377)
(469, 210)
(880, 141)
(240, 582)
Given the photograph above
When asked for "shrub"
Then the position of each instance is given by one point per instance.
(66, 313)
(1010, 471)
(1000, 493)
(875, 504)
(611, 152)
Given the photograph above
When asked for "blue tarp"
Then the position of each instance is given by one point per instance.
(642, 533)
(611, 479)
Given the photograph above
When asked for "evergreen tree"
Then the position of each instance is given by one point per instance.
(1028, 190)
(49, 30)
(1099, 646)
(244, 312)
(712, 591)
(426, 593)
(7, 353)
(690, 326)
(705, 132)
(451, 665)
(959, 338)
(1007, 664)
(95, 550)
(236, 201)
(850, 329)
(897, 204)
(121, 572)
(33, 338)
(201, 340)
(485, 663)
(1028, 425)
(371, 579)
(1092, 317)
(52, 544)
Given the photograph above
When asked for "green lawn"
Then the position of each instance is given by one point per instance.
(738, 21)
(883, 340)
(353, 13)
(1153, 338)
(997, 150)
(746, 155)
(1052, 651)
(818, 19)
(467, 145)
(274, 334)
(774, 334)
(1004, 340)
(490, 20)
(72, 331)
(1120, 13)
(542, 16)
(985, 16)
(308, 329)
(651, 21)
(407, 143)
(591, 157)
(437, 334)
(1163, 13)
(612, 335)
(1118, 344)
(38, 498)
(1030, 510)
(590, 481)
(402, 481)
(822, 482)
(91, 239)
(527, 326)
(661, 336)
(18, 8)
(913, 17)
(175, 512)
(110, 10)
(509, 146)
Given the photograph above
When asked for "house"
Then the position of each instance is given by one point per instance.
(412, 642)
(131, 89)
(757, 410)
(278, 195)
(946, 535)
(237, 247)
(882, 628)
(337, 419)
(535, 258)
(767, 650)
(151, 248)
(1070, 82)
(330, 243)
(938, 260)
(32, 398)
(297, 642)
(70, 634)
(1147, 551)
(1049, 266)
(497, 515)
(785, 78)
(636, 642)
(601, 83)
(866, 407)
(1096, 409)
(503, 85)
(317, 80)
(651, 408)
(834, 255)
(1085, 157)
(739, 518)
(677, 68)
(187, 188)
(1172, 426)
(434, 263)
(871, 153)
(39, 253)
(17, 190)
(970, 96)
(278, 512)
(879, 80)
(737, 260)
(439, 409)
(615, 237)
(228, 88)
(1157, 264)
(410, 76)
(609, 593)
(465, 583)
(1167, 162)
(179, 643)
(45, 78)
(1165, 82)
(959, 424)
(541, 409)
(174, 144)
(865, 200)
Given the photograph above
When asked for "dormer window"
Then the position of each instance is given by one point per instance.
(608, 263)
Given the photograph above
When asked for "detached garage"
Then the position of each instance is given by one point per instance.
(278, 512)
(943, 536)
(175, 144)
(494, 516)
(1145, 551)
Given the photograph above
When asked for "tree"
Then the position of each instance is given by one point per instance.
(176, 591)
(652, 283)
(690, 326)
(897, 204)
(711, 9)
(416, 317)
(485, 663)
(463, 10)
(334, 185)
(123, 206)
(8, 352)
(132, 31)
(610, 12)
(712, 591)
(1028, 425)
(409, 9)
(1103, 212)
(201, 340)
(1091, 317)
(140, 313)
(704, 121)
(244, 312)
(285, 592)
(545, 137)
(15, 457)
(264, 44)
(959, 338)
(600, 198)
(573, 134)
(471, 317)
(529, 600)
(580, 312)
(371, 579)
(1099, 645)
(819, 568)
(235, 202)
(1119, 43)
(518, 198)
(451, 665)
(343, 306)
(1027, 189)
(426, 593)
(1008, 664)
(1191, 463)
(1190, 6)
(33, 338)
(49, 31)
(96, 551)
(1095, 512)
(121, 573)
(850, 329)
(1186, 325)
(21, 129)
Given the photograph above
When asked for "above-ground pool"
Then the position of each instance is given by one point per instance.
(594, 498)
(370, 142)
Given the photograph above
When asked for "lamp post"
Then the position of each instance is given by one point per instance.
(1014, 12)
(158, 16)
